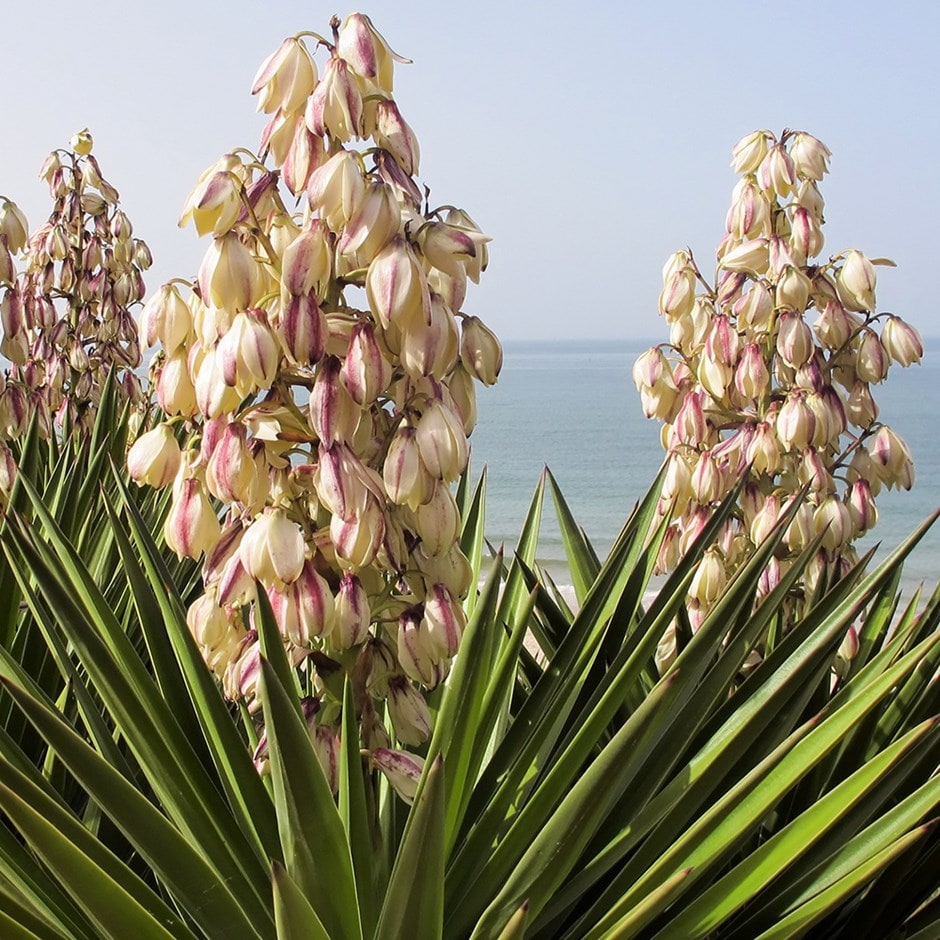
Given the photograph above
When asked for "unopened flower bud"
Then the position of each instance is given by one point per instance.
(408, 711)
(871, 360)
(776, 173)
(407, 480)
(901, 341)
(335, 107)
(796, 423)
(748, 153)
(192, 527)
(303, 608)
(856, 282)
(229, 277)
(810, 156)
(306, 264)
(709, 579)
(365, 371)
(286, 78)
(402, 770)
(333, 412)
(272, 549)
(861, 506)
(833, 517)
(860, 406)
(352, 614)
(441, 442)
(154, 457)
(480, 350)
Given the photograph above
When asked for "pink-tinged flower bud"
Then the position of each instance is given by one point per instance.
(176, 394)
(249, 353)
(709, 579)
(834, 326)
(721, 341)
(437, 522)
(677, 484)
(833, 517)
(303, 156)
(358, 537)
(230, 472)
(678, 294)
(463, 395)
(442, 443)
(307, 262)
(901, 341)
(402, 770)
(806, 237)
(856, 282)
(810, 156)
(365, 371)
(447, 247)
(215, 204)
(366, 50)
(860, 407)
(445, 621)
(809, 198)
(748, 153)
(229, 277)
(335, 107)
(14, 229)
(706, 482)
(393, 134)
(272, 549)
(375, 224)
(802, 529)
(690, 423)
(794, 340)
(480, 350)
(336, 189)
(452, 569)
(650, 367)
(342, 482)
(192, 527)
(813, 472)
(303, 330)
(750, 257)
(749, 215)
(754, 309)
(397, 286)
(167, 319)
(792, 290)
(891, 458)
(849, 647)
(407, 480)
(714, 377)
(416, 652)
(304, 608)
(765, 519)
(751, 378)
(14, 412)
(430, 347)
(796, 423)
(776, 173)
(154, 457)
(7, 472)
(352, 613)
(871, 360)
(409, 712)
(241, 676)
(286, 77)
(333, 412)
(861, 506)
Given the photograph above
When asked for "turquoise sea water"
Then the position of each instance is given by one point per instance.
(573, 407)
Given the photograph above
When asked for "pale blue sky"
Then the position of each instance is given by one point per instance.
(590, 139)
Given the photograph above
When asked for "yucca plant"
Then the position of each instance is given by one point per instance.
(571, 794)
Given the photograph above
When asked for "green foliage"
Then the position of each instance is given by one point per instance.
(572, 794)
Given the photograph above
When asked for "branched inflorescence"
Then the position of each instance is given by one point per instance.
(68, 316)
(322, 374)
(769, 372)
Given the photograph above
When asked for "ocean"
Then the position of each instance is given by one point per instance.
(572, 406)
